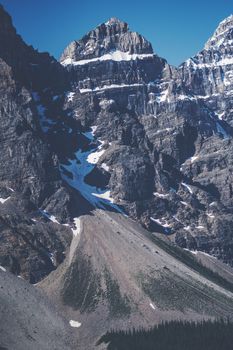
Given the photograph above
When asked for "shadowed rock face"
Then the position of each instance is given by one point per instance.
(168, 131)
(29, 175)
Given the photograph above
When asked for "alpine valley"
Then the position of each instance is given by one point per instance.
(116, 187)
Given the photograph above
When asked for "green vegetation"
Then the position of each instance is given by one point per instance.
(172, 292)
(82, 286)
(176, 335)
(118, 305)
(189, 260)
(83, 289)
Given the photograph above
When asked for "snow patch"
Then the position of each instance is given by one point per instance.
(159, 222)
(195, 252)
(70, 96)
(105, 166)
(105, 195)
(117, 56)
(109, 87)
(163, 130)
(75, 324)
(222, 62)
(152, 306)
(3, 200)
(79, 167)
(45, 123)
(76, 231)
(94, 157)
(90, 134)
(184, 203)
(193, 159)
(187, 186)
(160, 195)
(105, 103)
(2, 268)
(50, 217)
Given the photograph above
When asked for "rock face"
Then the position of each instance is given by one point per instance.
(111, 36)
(111, 54)
(167, 131)
(29, 174)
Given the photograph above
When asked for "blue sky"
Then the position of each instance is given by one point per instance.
(177, 29)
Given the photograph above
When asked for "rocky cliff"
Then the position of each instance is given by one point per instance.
(168, 146)
(29, 174)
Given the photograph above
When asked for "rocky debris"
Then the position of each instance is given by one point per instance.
(118, 275)
(29, 320)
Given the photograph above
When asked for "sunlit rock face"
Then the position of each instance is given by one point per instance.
(166, 130)
(209, 73)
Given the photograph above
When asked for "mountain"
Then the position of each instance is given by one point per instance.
(168, 154)
(110, 160)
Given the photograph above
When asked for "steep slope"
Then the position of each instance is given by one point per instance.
(28, 320)
(167, 156)
(119, 276)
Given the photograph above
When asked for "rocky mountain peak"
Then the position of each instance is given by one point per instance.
(223, 35)
(113, 21)
(6, 27)
(110, 37)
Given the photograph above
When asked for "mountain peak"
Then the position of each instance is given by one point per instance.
(113, 21)
(110, 37)
(222, 35)
(227, 20)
